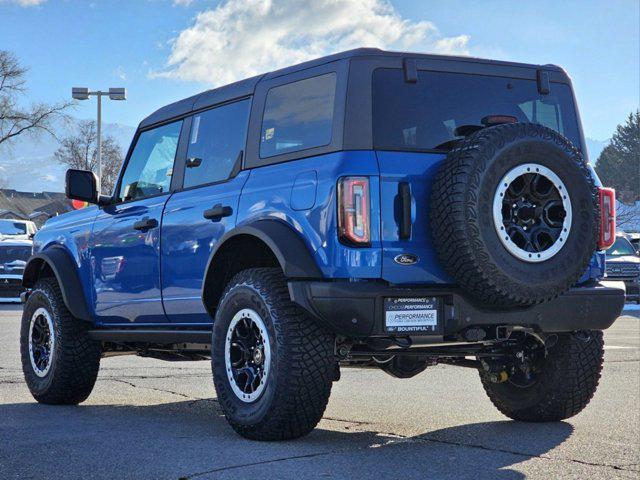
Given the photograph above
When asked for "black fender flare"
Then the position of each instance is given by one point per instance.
(287, 245)
(66, 273)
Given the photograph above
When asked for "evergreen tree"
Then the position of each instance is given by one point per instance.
(618, 165)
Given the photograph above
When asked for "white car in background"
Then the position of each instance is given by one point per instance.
(15, 249)
(17, 229)
(13, 258)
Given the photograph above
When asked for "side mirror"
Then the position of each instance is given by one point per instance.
(83, 185)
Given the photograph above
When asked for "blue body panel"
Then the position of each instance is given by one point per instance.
(270, 192)
(126, 263)
(73, 232)
(418, 170)
(596, 268)
(187, 242)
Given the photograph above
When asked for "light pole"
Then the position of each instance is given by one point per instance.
(83, 93)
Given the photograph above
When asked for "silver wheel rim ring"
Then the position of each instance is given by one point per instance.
(257, 320)
(504, 184)
(44, 313)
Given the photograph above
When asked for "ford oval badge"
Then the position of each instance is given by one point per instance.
(406, 259)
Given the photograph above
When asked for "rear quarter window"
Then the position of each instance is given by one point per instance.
(298, 116)
(427, 114)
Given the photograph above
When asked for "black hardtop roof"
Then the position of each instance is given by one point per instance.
(201, 100)
(246, 87)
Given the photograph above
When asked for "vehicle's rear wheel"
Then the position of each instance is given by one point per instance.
(273, 366)
(59, 361)
(560, 387)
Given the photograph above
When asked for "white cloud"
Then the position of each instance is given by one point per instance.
(120, 72)
(24, 3)
(48, 177)
(241, 38)
(453, 45)
(182, 3)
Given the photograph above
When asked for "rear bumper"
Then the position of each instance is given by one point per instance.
(632, 286)
(355, 309)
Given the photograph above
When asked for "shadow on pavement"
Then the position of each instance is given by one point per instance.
(191, 439)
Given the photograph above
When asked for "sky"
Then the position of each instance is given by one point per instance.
(164, 50)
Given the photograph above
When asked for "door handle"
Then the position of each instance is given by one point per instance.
(217, 212)
(145, 224)
(404, 192)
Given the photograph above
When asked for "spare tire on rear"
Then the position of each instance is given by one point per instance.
(514, 214)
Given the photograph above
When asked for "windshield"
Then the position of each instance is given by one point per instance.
(7, 227)
(621, 246)
(443, 107)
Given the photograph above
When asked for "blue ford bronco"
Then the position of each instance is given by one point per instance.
(367, 209)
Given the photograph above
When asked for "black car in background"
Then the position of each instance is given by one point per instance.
(623, 263)
(14, 254)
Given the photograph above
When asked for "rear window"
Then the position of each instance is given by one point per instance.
(428, 114)
(298, 116)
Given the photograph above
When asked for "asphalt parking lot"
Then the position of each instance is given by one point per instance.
(152, 419)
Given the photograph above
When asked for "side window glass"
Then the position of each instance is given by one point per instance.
(298, 115)
(150, 166)
(216, 142)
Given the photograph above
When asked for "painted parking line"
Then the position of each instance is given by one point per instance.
(615, 347)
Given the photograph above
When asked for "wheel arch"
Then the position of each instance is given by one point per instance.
(264, 243)
(56, 262)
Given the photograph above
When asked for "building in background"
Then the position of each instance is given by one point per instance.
(35, 206)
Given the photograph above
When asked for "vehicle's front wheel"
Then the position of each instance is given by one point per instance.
(560, 387)
(273, 366)
(59, 361)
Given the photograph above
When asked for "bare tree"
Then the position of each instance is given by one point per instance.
(15, 119)
(627, 217)
(80, 151)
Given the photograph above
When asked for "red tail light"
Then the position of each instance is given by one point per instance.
(607, 198)
(354, 226)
